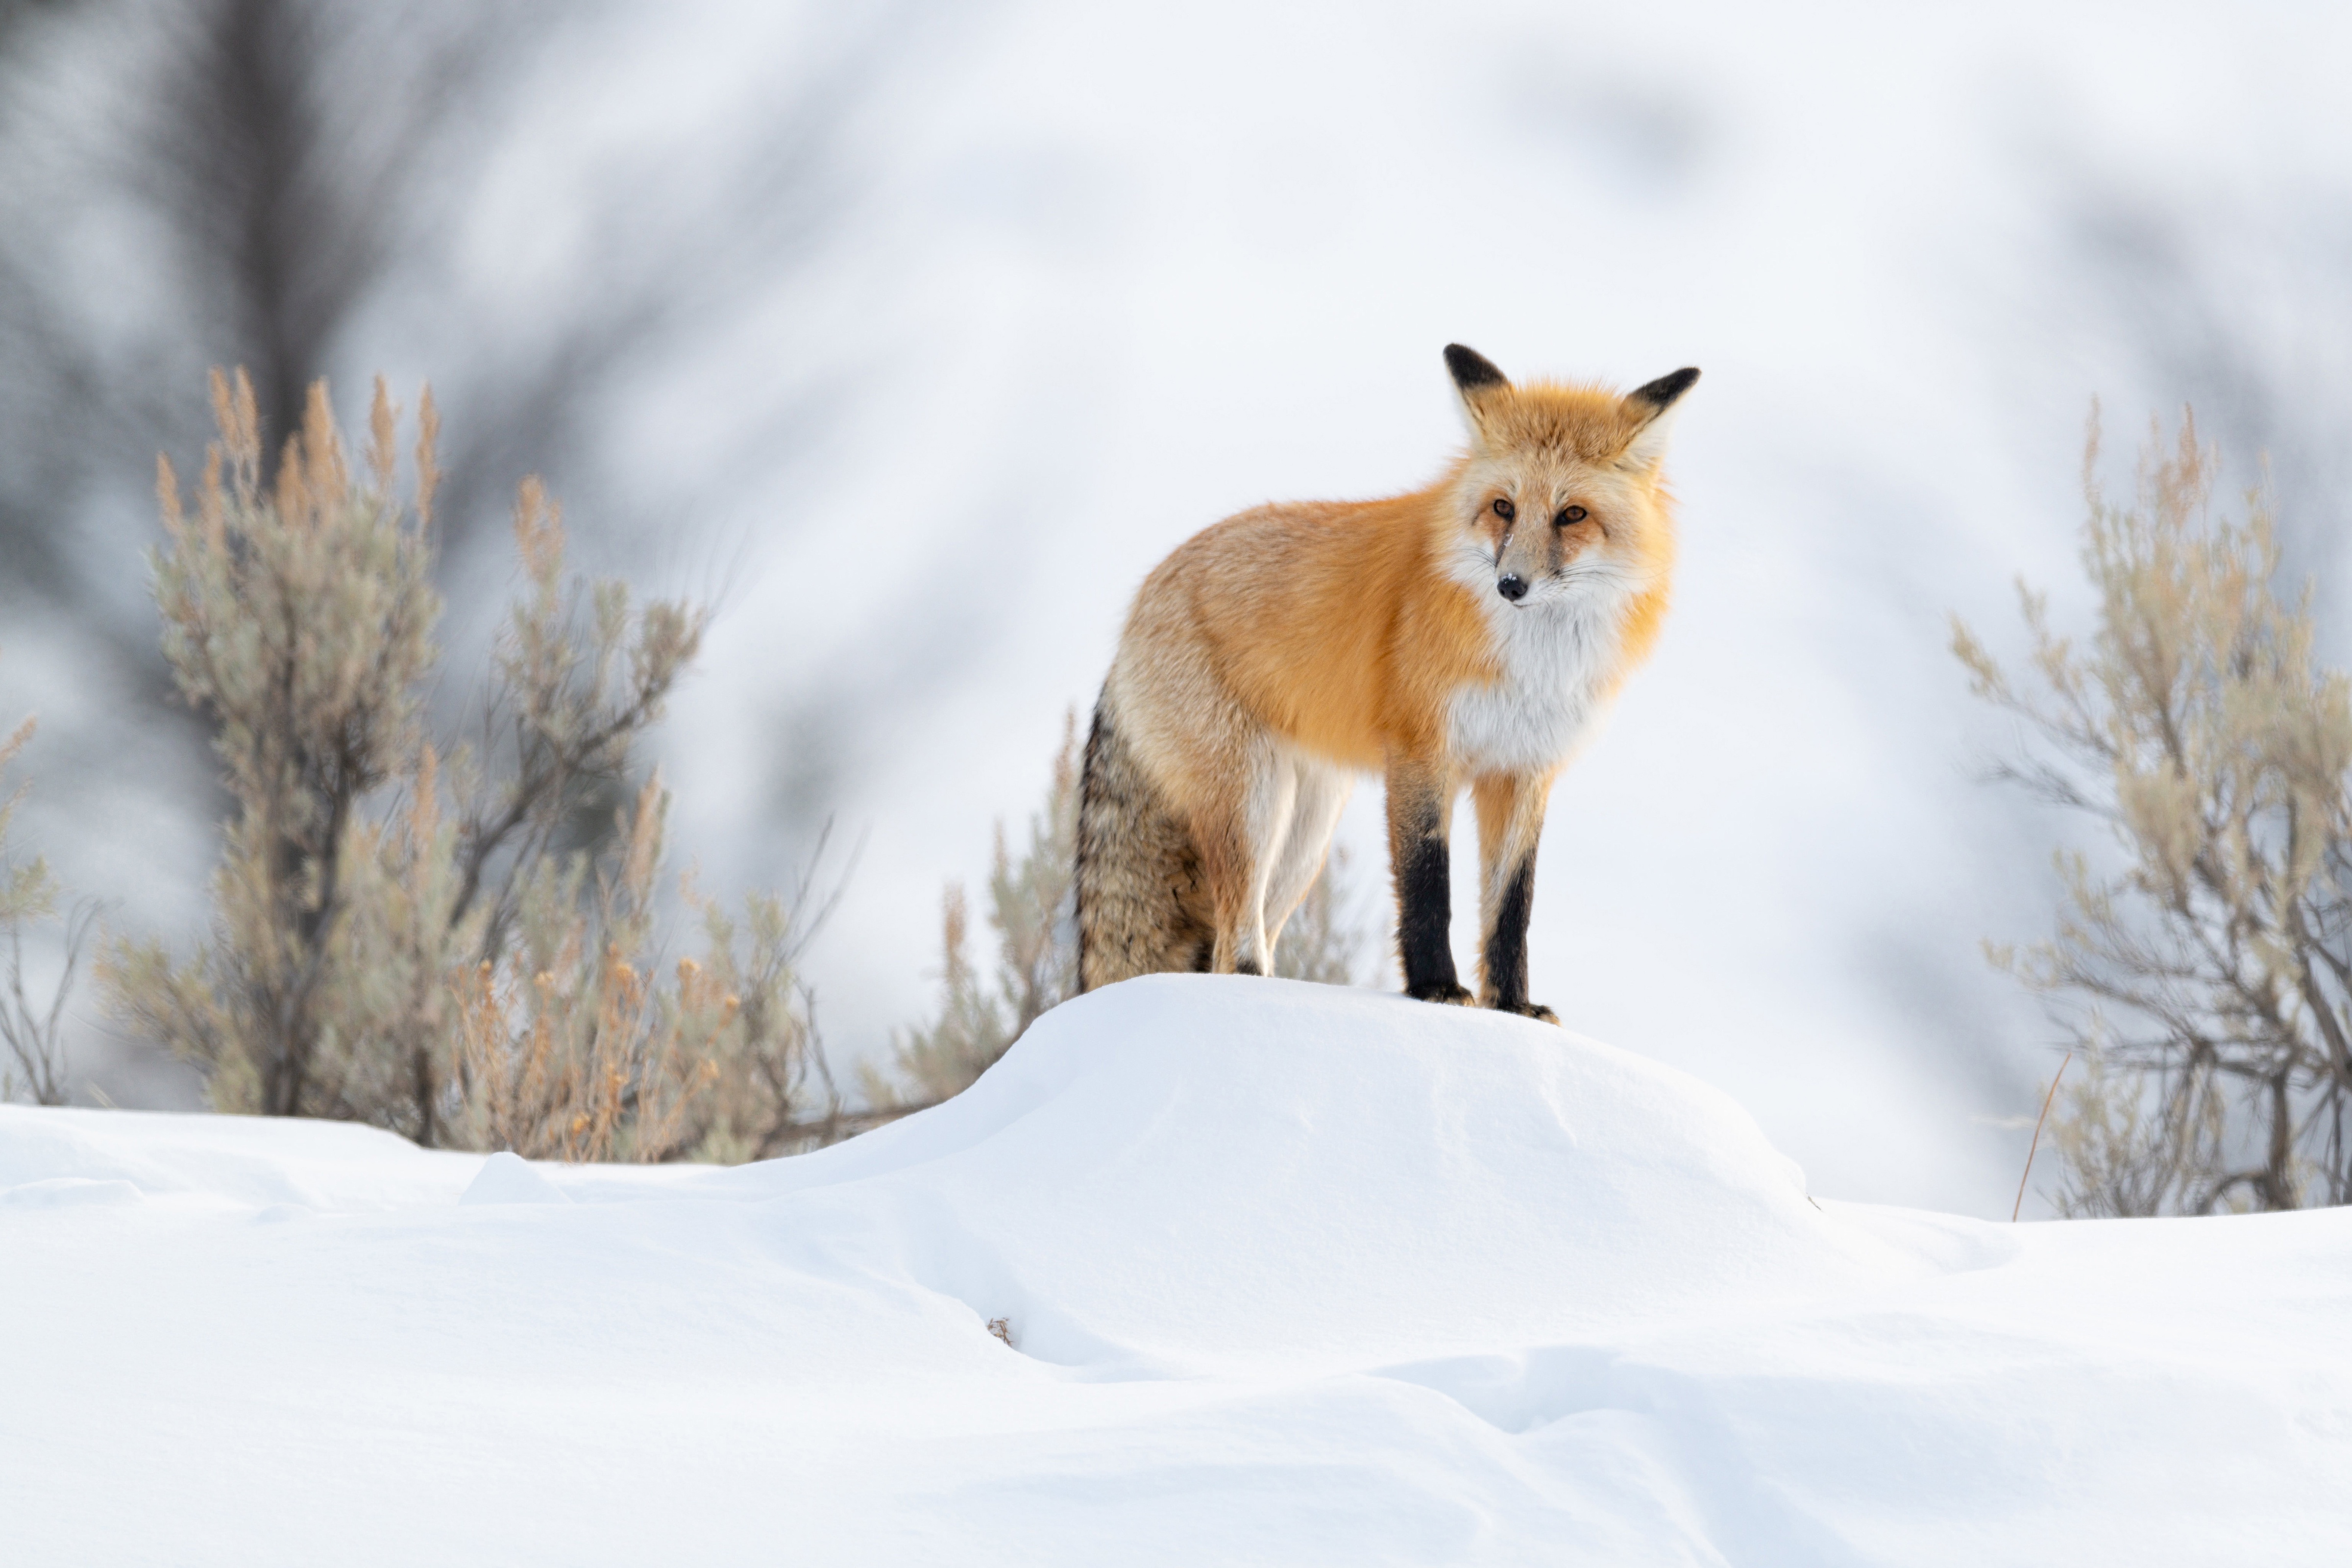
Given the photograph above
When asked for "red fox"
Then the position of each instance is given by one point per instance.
(1466, 634)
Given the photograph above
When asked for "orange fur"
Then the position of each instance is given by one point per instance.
(1368, 635)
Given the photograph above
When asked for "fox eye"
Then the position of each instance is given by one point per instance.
(1570, 514)
(1505, 510)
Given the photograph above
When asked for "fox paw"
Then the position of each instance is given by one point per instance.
(1450, 994)
(1535, 1010)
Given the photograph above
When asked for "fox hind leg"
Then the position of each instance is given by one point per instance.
(1322, 794)
(1242, 839)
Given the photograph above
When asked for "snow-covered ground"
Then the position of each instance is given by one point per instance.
(1292, 1276)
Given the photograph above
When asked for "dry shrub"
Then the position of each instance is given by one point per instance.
(36, 1064)
(1029, 907)
(26, 890)
(2126, 1153)
(573, 1050)
(2204, 968)
(459, 951)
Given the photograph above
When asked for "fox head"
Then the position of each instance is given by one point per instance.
(1562, 496)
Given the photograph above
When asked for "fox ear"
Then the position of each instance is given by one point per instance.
(1475, 377)
(1650, 411)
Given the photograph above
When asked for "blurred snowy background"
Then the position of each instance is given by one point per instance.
(916, 334)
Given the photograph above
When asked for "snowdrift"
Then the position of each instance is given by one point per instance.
(1291, 1275)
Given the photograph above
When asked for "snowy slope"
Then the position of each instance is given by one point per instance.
(1294, 1276)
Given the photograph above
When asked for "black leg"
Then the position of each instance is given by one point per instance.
(1510, 824)
(1506, 946)
(1418, 800)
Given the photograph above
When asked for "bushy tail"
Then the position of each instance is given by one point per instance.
(1139, 876)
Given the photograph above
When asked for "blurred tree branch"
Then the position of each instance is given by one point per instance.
(300, 167)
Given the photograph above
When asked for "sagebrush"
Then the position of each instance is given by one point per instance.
(456, 942)
(2202, 961)
(35, 1066)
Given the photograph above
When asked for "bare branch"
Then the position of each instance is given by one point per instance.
(2196, 727)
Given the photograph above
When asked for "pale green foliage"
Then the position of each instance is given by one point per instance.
(2208, 975)
(301, 622)
(1030, 911)
(575, 1049)
(35, 1064)
(423, 946)
(27, 891)
(566, 706)
(772, 1091)
(2121, 1147)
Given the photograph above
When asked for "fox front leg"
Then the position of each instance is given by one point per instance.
(1421, 811)
(1510, 822)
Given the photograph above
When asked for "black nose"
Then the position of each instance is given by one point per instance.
(1513, 587)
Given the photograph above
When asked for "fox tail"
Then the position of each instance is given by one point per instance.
(1139, 893)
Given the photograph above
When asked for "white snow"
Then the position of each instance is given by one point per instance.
(1293, 1275)
(508, 1178)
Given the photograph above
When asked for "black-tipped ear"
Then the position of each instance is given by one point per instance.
(1473, 371)
(1653, 406)
(1660, 393)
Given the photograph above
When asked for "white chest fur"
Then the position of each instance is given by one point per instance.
(1555, 656)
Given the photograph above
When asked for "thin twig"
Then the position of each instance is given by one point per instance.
(2019, 1207)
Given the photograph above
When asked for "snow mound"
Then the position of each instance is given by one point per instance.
(231, 1159)
(506, 1178)
(1182, 1174)
(1206, 1271)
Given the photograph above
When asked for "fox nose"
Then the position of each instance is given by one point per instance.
(1513, 587)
